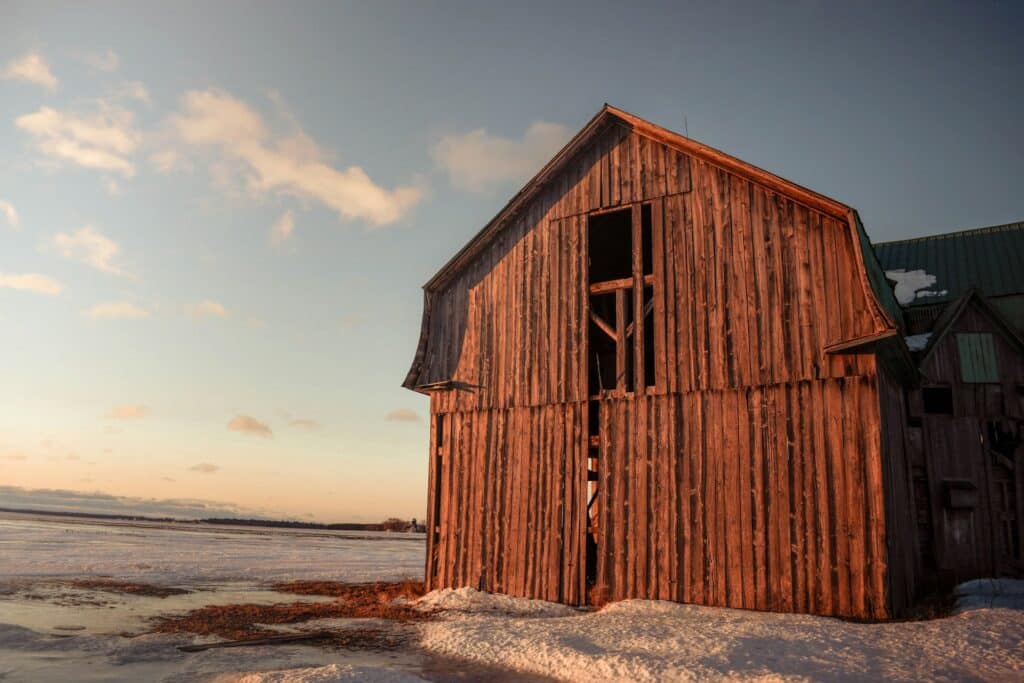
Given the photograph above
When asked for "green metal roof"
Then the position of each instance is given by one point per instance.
(940, 268)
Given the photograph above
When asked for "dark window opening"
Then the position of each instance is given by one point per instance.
(646, 239)
(937, 400)
(605, 373)
(913, 421)
(435, 517)
(610, 245)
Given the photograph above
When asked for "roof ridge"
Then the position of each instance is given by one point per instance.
(1005, 227)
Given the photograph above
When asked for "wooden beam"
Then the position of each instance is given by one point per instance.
(638, 299)
(620, 339)
(609, 286)
(605, 327)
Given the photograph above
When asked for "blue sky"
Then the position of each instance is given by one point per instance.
(215, 222)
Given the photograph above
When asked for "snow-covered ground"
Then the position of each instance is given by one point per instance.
(36, 546)
(639, 640)
(49, 636)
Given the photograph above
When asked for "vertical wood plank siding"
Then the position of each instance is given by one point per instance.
(756, 534)
(750, 475)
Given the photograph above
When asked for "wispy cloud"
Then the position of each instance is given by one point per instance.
(117, 310)
(204, 468)
(58, 500)
(107, 61)
(103, 140)
(478, 161)
(112, 186)
(30, 282)
(351, 321)
(305, 423)
(134, 90)
(283, 228)
(10, 214)
(287, 165)
(402, 415)
(89, 247)
(249, 425)
(128, 411)
(31, 68)
(207, 309)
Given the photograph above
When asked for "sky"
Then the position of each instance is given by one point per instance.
(216, 218)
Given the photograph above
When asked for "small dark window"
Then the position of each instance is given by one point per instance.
(937, 400)
(913, 421)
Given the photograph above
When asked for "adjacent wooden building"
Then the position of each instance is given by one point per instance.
(661, 372)
(965, 429)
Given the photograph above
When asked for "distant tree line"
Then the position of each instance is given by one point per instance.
(389, 524)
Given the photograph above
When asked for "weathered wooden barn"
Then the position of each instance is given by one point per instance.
(963, 299)
(661, 372)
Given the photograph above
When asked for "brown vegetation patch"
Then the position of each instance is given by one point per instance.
(127, 588)
(355, 601)
(363, 593)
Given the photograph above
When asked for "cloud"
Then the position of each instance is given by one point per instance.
(351, 321)
(103, 140)
(283, 228)
(31, 282)
(16, 456)
(112, 187)
(134, 90)
(303, 423)
(286, 165)
(31, 68)
(168, 479)
(10, 213)
(402, 415)
(249, 425)
(207, 309)
(89, 247)
(128, 411)
(477, 161)
(116, 310)
(107, 61)
(205, 468)
(57, 500)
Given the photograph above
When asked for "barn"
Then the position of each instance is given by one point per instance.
(661, 372)
(963, 300)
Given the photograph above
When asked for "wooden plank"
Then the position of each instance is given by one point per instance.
(638, 301)
(620, 340)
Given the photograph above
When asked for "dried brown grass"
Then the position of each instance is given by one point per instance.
(354, 601)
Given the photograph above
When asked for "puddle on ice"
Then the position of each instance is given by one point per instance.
(51, 631)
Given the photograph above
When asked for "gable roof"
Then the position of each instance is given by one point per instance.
(955, 309)
(885, 309)
(990, 259)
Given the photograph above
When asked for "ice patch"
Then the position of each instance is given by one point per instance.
(320, 674)
(918, 342)
(990, 593)
(913, 284)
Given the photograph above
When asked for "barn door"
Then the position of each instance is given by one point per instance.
(1002, 440)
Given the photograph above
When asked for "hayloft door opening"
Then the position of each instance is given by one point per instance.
(621, 357)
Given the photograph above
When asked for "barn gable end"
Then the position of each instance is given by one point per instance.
(732, 454)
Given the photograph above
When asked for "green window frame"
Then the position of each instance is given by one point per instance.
(978, 361)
